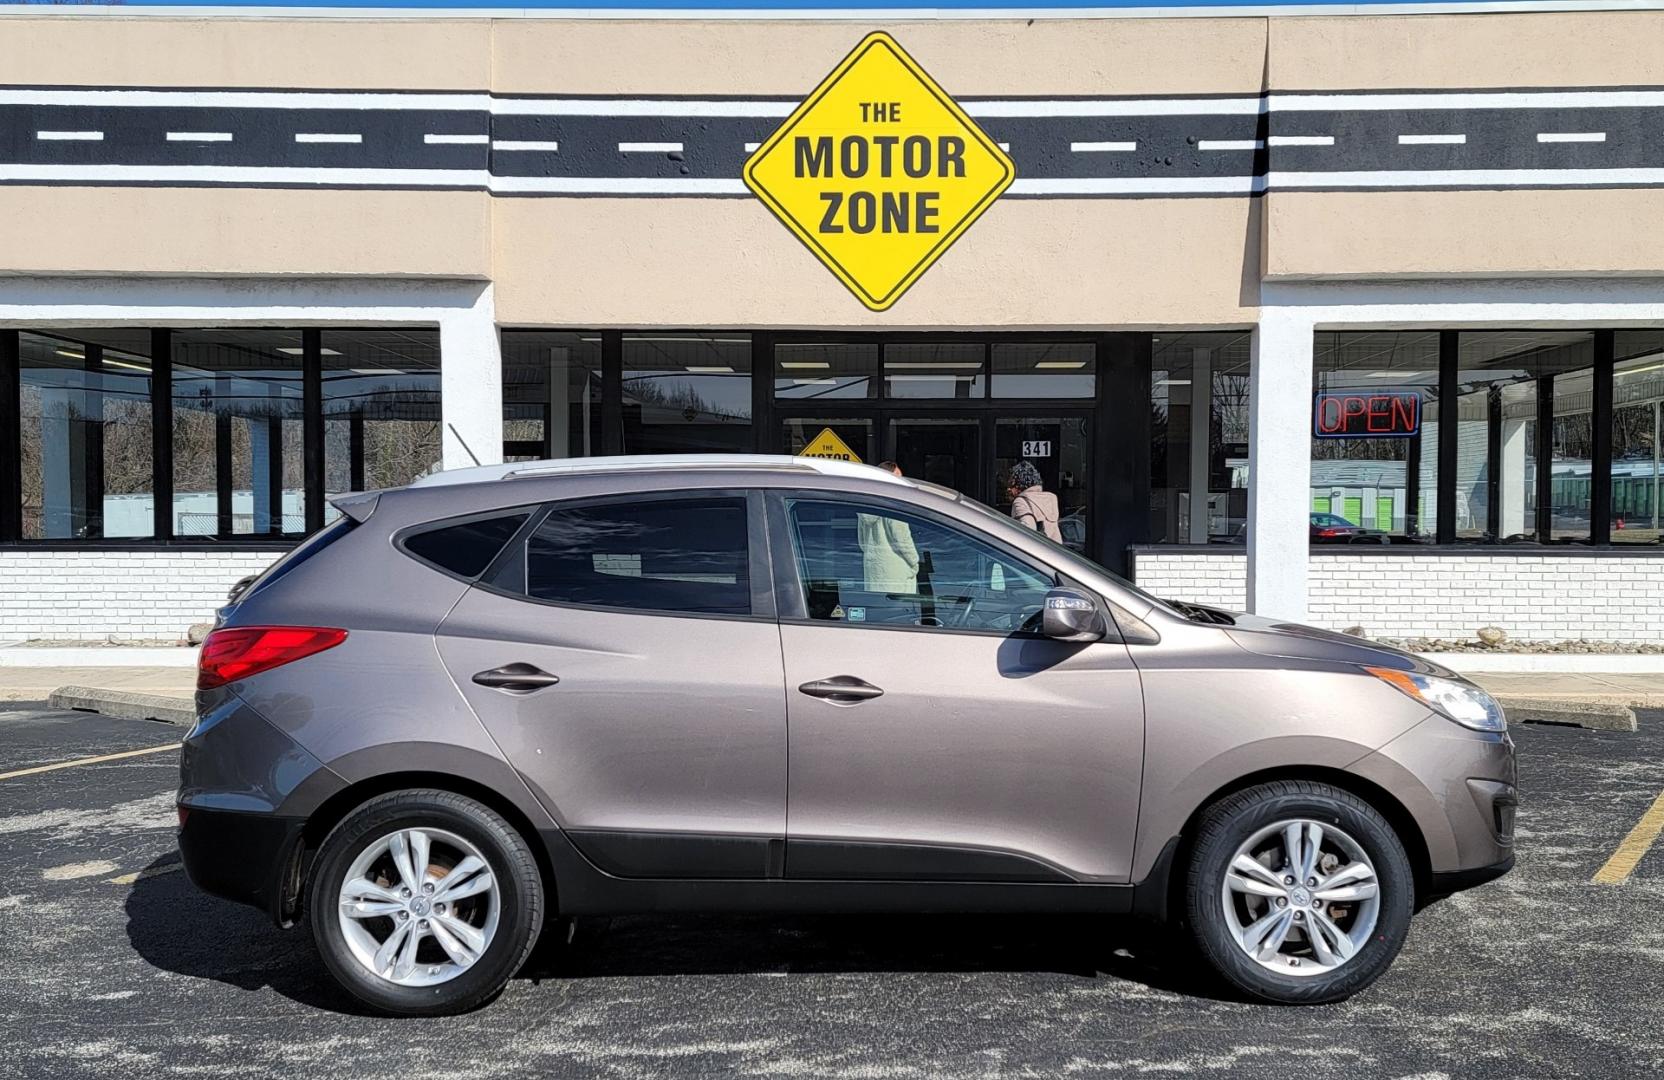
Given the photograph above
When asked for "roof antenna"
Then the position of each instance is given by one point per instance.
(461, 440)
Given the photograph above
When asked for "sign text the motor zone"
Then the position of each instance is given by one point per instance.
(879, 158)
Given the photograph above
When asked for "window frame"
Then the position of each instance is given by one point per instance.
(506, 576)
(790, 598)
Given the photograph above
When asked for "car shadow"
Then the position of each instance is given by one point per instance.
(179, 929)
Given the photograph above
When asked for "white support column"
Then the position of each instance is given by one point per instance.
(471, 384)
(1279, 463)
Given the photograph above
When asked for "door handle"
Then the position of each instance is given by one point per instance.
(841, 690)
(516, 678)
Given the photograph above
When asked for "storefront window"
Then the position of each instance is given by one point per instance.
(551, 394)
(1057, 370)
(86, 445)
(237, 453)
(381, 407)
(812, 371)
(687, 393)
(1199, 438)
(1637, 391)
(1511, 371)
(1383, 484)
(947, 370)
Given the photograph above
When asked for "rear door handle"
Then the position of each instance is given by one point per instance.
(516, 678)
(841, 690)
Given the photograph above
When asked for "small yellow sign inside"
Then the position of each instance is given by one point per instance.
(878, 172)
(828, 445)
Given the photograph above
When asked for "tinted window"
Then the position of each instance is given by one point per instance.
(865, 564)
(685, 555)
(467, 548)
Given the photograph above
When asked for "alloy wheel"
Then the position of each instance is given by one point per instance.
(418, 906)
(1300, 897)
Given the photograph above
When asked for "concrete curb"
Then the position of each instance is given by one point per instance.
(125, 704)
(1577, 712)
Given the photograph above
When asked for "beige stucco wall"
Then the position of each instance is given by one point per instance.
(243, 231)
(1315, 235)
(1455, 52)
(1026, 263)
(320, 54)
(982, 57)
(1052, 262)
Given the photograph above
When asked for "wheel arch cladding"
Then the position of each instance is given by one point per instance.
(333, 810)
(1380, 799)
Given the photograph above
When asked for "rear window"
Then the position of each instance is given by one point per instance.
(671, 555)
(467, 547)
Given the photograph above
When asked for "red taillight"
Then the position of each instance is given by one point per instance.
(1330, 532)
(237, 652)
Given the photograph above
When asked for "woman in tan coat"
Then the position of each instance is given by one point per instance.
(1031, 504)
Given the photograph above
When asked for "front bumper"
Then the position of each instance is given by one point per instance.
(1460, 787)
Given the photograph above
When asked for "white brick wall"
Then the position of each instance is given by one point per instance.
(1537, 597)
(128, 594)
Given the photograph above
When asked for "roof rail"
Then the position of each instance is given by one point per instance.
(654, 463)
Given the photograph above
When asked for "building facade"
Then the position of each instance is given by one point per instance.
(247, 263)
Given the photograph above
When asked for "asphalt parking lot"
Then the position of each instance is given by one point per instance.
(112, 964)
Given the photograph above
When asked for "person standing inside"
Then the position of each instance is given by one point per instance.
(889, 559)
(1031, 504)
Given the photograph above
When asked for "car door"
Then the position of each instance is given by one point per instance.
(933, 733)
(624, 655)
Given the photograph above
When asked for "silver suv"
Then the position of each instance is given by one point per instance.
(509, 694)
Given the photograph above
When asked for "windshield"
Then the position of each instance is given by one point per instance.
(1066, 554)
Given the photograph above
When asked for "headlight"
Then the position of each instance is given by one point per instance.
(1462, 702)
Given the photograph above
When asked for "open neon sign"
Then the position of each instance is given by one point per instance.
(1378, 414)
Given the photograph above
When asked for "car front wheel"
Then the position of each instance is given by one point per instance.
(1298, 892)
(425, 903)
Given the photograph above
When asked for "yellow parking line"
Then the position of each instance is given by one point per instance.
(1634, 846)
(88, 761)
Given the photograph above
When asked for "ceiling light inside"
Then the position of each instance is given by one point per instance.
(715, 369)
(302, 352)
(804, 365)
(1060, 365)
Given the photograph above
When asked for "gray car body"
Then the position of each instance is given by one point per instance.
(676, 767)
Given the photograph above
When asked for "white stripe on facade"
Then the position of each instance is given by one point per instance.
(1432, 140)
(70, 136)
(1488, 99)
(327, 137)
(1571, 136)
(456, 140)
(650, 148)
(534, 145)
(1230, 144)
(1102, 147)
(1404, 178)
(304, 175)
(199, 136)
(1301, 140)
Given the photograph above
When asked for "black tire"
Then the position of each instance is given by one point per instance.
(1229, 823)
(519, 889)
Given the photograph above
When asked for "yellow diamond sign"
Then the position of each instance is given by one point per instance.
(878, 172)
(828, 445)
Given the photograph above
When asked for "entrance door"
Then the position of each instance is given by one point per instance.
(941, 450)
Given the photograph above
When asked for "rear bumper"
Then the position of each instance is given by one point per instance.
(240, 856)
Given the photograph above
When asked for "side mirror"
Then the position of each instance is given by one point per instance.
(1071, 615)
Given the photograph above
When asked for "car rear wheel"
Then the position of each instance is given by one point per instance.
(1298, 892)
(425, 903)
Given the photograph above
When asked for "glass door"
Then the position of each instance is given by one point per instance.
(945, 450)
(1061, 453)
